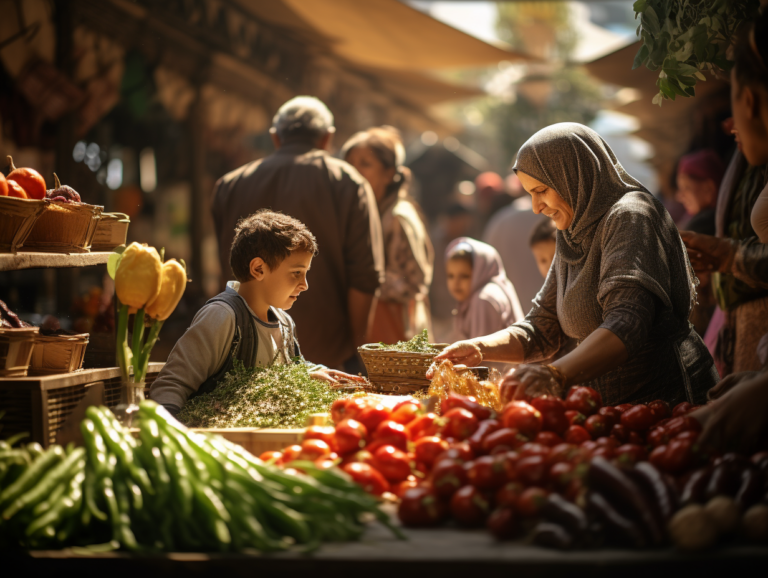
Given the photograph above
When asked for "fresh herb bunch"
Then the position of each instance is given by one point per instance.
(278, 396)
(417, 344)
(685, 38)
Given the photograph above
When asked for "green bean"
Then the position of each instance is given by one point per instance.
(35, 450)
(182, 489)
(68, 505)
(31, 476)
(89, 495)
(118, 445)
(11, 441)
(54, 497)
(121, 530)
(94, 443)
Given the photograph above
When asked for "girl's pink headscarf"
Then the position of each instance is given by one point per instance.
(493, 304)
(702, 165)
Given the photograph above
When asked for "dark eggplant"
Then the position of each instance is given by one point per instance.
(552, 535)
(619, 528)
(653, 483)
(606, 478)
(559, 510)
(725, 479)
(751, 488)
(695, 490)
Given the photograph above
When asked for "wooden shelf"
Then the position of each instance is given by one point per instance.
(16, 261)
(59, 380)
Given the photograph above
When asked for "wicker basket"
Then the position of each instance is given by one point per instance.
(64, 228)
(17, 217)
(16, 350)
(58, 354)
(396, 372)
(111, 231)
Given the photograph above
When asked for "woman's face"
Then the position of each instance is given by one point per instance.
(368, 164)
(695, 195)
(546, 200)
(748, 104)
(459, 275)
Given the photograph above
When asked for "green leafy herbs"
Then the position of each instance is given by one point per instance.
(417, 344)
(279, 396)
(682, 39)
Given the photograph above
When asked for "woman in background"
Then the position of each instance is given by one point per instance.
(402, 309)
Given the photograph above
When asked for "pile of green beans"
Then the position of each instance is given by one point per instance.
(170, 490)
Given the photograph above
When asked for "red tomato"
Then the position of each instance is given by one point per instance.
(426, 449)
(597, 426)
(523, 416)
(269, 456)
(392, 463)
(406, 411)
(620, 432)
(447, 477)
(552, 413)
(658, 458)
(638, 418)
(355, 407)
(469, 506)
(604, 452)
(575, 417)
(508, 494)
(486, 472)
(350, 436)
(560, 474)
(533, 449)
(509, 462)
(679, 455)
(502, 523)
(459, 423)
(484, 429)
(611, 414)
(583, 399)
(531, 501)
(363, 456)
(630, 454)
(458, 451)
(607, 442)
(688, 435)
(364, 475)
(339, 409)
(548, 438)
(314, 449)
(636, 438)
(678, 425)
(681, 409)
(468, 402)
(325, 463)
(291, 453)
(660, 409)
(393, 433)
(400, 488)
(623, 407)
(564, 453)
(424, 425)
(508, 437)
(420, 507)
(327, 433)
(657, 437)
(532, 470)
(373, 415)
(577, 435)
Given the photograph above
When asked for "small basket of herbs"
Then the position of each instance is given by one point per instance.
(401, 368)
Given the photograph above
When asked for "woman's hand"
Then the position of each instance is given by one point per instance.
(334, 377)
(460, 353)
(729, 382)
(737, 420)
(707, 253)
(528, 380)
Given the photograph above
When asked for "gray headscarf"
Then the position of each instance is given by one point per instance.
(579, 165)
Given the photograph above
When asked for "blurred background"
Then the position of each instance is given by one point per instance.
(142, 105)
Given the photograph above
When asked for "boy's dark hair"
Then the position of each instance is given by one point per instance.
(271, 236)
(544, 231)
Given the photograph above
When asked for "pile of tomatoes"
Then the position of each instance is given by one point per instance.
(479, 467)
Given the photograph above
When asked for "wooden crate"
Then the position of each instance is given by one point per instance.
(41, 405)
(256, 440)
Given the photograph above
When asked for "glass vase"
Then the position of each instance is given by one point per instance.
(131, 395)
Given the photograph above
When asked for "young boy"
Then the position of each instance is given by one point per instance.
(270, 256)
(543, 243)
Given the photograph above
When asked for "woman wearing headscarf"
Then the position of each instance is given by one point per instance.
(621, 284)
(402, 309)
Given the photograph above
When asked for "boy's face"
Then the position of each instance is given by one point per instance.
(459, 276)
(281, 288)
(544, 253)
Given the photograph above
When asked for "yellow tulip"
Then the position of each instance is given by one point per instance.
(137, 279)
(172, 285)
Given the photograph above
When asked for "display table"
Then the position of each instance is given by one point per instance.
(16, 261)
(440, 553)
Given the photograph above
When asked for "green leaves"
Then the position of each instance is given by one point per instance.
(114, 261)
(683, 38)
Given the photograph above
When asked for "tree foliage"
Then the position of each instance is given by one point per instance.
(684, 38)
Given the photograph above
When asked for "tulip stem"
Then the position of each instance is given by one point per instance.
(143, 359)
(138, 335)
(122, 338)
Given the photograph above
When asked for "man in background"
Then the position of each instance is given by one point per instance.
(330, 197)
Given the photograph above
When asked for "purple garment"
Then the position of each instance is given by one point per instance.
(493, 304)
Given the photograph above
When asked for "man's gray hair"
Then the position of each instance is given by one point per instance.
(303, 117)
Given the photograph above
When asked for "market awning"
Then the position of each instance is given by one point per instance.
(383, 33)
